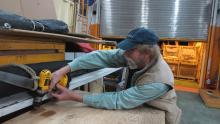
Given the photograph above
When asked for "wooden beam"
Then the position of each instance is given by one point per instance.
(218, 39)
(205, 62)
(211, 63)
(29, 45)
(83, 35)
(58, 37)
(31, 58)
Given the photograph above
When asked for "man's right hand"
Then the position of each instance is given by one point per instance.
(57, 75)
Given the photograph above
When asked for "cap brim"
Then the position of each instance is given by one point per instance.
(126, 44)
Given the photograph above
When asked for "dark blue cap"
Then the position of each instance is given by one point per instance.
(138, 36)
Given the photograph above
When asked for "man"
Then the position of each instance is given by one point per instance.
(152, 84)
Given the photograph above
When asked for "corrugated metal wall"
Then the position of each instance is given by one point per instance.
(168, 18)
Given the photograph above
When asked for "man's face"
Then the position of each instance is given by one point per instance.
(136, 59)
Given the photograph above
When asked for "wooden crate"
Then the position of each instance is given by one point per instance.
(187, 71)
(171, 60)
(106, 47)
(171, 51)
(175, 68)
(188, 55)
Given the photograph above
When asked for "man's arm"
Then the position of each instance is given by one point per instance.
(96, 59)
(99, 59)
(126, 99)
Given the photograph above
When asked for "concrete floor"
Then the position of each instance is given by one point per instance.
(195, 111)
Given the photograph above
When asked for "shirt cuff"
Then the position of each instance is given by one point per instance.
(73, 66)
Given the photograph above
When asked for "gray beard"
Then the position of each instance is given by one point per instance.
(131, 63)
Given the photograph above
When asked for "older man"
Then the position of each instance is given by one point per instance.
(151, 84)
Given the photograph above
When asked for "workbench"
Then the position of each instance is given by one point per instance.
(69, 112)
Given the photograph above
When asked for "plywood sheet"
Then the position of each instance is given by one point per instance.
(69, 112)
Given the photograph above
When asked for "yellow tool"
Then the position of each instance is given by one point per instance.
(45, 79)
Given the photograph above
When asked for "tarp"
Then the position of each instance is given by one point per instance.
(11, 20)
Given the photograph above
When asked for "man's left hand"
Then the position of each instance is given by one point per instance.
(63, 93)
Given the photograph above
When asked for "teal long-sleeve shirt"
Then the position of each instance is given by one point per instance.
(126, 99)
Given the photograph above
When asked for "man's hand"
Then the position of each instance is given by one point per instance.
(65, 94)
(57, 75)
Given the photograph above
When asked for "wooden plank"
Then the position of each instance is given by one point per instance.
(112, 37)
(218, 40)
(214, 59)
(44, 35)
(206, 57)
(32, 58)
(201, 54)
(83, 35)
(26, 52)
(69, 112)
(211, 63)
(203, 66)
(22, 38)
(24, 45)
(210, 97)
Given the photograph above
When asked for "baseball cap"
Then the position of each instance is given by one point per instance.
(138, 36)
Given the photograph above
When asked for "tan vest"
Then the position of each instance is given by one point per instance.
(159, 72)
